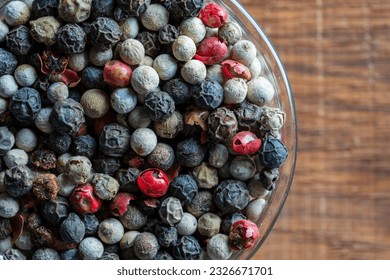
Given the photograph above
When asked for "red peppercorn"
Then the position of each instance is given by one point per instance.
(153, 182)
(119, 204)
(234, 69)
(213, 15)
(211, 51)
(117, 73)
(243, 234)
(84, 201)
(246, 143)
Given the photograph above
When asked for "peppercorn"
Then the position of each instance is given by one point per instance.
(273, 153)
(72, 229)
(16, 13)
(78, 61)
(8, 62)
(170, 127)
(235, 91)
(57, 92)
(44, 30)
(25, 75)
(187, 225)
(193, 72)
(201, 204)
(211, 51)
(7, 140)
(260, 91)
(110, 231)
(170, 210)
(230, 33)
(55, 210)
(145, 79)
(15, 157)
(222, 124)
(231, 196)
(248, 115)
(71, 39)
(146, 246)
(184, 187)
(138, 118)
(163, 255)
(9, 206)
(218, 247)
(183, 48)
(194, 28)
(229, 219)
(187, 248)
(25, 104)
(99, 57)
(24, 242)
(59, 143)
(79, 168)
(206, 176)
(67, 116)
(105, 32)
(45, 187)
(5, 245)
(114, 140)
(71, 254)
(84, 145)
(168, 34)
(162, 157)
(218, 155)
(244, 51)
(133, 218)
(102, 8)
(178, 89)
(42, 237)
(41, 8)
(105, 186)
(91, 248)
(117, 73)
(127, 179)
(44, 159)
(243, 234)
(91, 223)
(65, 184)
(123, 100)
(129, 28)
(166, 66)
(183, 8)
(62, 160)
(166, 235)
(159, 105)
(106, 165)
(190, 153)
(233, 69)
(92, 77)
(208, 94)
(213, 15)
(153, 182)
(246, 143)
(74, 10)
(127, 240)
(209, 224)
(272, 119)
(95, 103)
(4, 29)
(255, 68)
(5, 228)
(150, 42)
(8, 85)
(155, 17)
(242, 168)
(18, 180)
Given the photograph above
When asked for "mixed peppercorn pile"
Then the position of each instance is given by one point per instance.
(132, 129)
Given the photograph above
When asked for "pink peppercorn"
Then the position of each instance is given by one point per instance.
(234, 69)
(117, 73)
(213, 15)
(120, 202)
(243, 234)
(153, 182)
(84, 201)
(211, 51)
(246, 143)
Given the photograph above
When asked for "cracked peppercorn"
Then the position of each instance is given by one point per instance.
(71, 39)
(114, 140)
(105, 32)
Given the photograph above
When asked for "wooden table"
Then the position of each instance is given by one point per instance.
(337, 56)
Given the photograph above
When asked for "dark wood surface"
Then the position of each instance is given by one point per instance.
(337, 56)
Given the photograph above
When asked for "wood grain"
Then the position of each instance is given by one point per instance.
(337, 56)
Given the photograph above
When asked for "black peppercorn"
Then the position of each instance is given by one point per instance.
(183, 8)
(127, 179)
(231, 196)
(106, 165)
(72, 229)
(8, 62)
(44, 159)
(92, 77)
(67, 116)
(91, 223)
(190, 153)
(222, 124)
(134, 7)
(74, 94)
(5, 228)
(56, 210)
(18, 40)
(162, 157)
(178, 89)
(114, 140)
(208, 94)
(168, 34)
(268, 178)
(25, 104)
(184, 187)
(150, 42)
(105, 32)
(166, 235)
(84, 145)
(159, 105)
(71, 39)
(102, 8)
(248, 115)
(163, 255)
(187, 248)
(71, 254)
(42, 8)
(273, 153)
(18, 180)
(59, 143)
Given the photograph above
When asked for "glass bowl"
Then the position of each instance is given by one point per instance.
(272, 69)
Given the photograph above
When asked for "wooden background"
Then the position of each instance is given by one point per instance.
(337, 56)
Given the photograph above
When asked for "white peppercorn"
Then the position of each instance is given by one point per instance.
(128, 238)
(26, 139)
(3, 105)
(79, 168)
(78, 61)
(129, 28)
(44, 30)
(166, 66)
(209, 224)
(9, 206)
(255, 68)
(25, 75)
(42, 121)
(187, 225)
(8, 86)
(138, 118)
(91, 248)
(74, 10)
(194, 28)
(155, 17)
(123, 100)
(144, 79)
(7, 140)
(146, 61)
(57, 92)
(183, 48)
(218, 247)
(110, 231)
(16, 13)
(95, 103)
(244, 51)
(143, 141)
(260, 91)
(214, 73)
(230, 33)
(234, 91)
(193, 72)
(131, 51)
(254, 209)
(105, 186)
(99, 57)
(66, 184)
(15, 157)
(3, 30)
